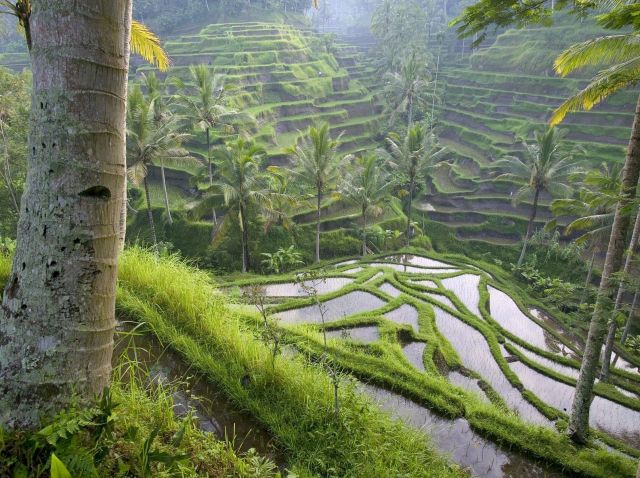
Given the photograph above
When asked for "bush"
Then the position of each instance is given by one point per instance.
(422, 242)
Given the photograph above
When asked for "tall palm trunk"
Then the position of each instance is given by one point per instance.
(58, 309)
(246, 259)
(152, 224)
(364, 231)
(412, 186)
(627, 327)
(410, 114)
(579, 422)
(613, 324)
(587, 283)
(318, 217)
(532, 218)
(166, 195)
(209, 157)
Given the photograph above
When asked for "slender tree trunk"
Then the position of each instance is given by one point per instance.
(579, 423)
(209, 157)
(587, 283)
(318, 217)
(532, 218)
(152, 224)
(412, 186)
(364, 231)
(246, 260)
(627, 327)
(613, 324)
(166, 195)
(410, 114)
(58, 309)
(435, 88)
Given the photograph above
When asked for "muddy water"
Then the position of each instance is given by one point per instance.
(475, 354)
(506, 312)
(426, 283)
(214, 412)
(465, 287)
(336, 309)
(365, 335)
(457, 439)
(292, 289)
(468, 383)
(442, 299)
(413, 352)
(416, 261)
(405, 314)
(390, 290)
(605, 415)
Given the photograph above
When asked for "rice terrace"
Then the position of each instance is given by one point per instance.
(319, 238)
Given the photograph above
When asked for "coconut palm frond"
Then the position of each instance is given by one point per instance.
(599, 51)
(147, 44)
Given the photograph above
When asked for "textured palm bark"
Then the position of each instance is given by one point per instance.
(579, 423)
(532, 217)
(613, 323)
(318, 218)
(364, 231)
(152, 224)
(587, 282)
(58, 309)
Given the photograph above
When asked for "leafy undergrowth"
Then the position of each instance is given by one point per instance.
(132, 431)
(292, 398)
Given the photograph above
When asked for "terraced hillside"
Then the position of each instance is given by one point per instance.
(500, 95)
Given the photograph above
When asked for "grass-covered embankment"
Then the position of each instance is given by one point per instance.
(293, 399)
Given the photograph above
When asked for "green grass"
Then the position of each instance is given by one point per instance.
(292, 399)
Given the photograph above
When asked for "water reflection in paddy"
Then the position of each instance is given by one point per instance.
(366, 335)
(405, 314)
(465, 287)
(468, 383)
(506, 312)
(414, 352)
(416, 261)
(390, 290)
(292, 289)
(608, 416)
(442, 299)
(545, 362)
(336, 309)
(475, 354)
(412, 269)
(426, 283)
(456, 438)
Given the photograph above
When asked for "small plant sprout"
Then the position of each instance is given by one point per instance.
(309, 282)
(257, 296)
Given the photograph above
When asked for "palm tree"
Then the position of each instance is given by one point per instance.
(58, 309)
(413, 158)
(623, 53)
(369, 187)
(593, 210)
(318, 165)
(204, 100)
(406, 88)
(545, 167)
(151, 143)
(242, 184)
(281, 200)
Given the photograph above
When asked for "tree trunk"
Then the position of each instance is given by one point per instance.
(412, 186)
(246, 260)
(318, 217)
(152, 224)
(587, 283)
(435, 88)
(613, 324)
(532, 218)
(209, 157)
(627, 327)
(364, 231)
(58, 310)
(410, 113)
(579, 424)
(166, 195)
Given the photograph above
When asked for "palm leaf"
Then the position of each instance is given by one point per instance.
(599, 51)
(147, 44)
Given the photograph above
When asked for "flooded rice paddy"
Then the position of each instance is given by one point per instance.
(483, 457)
